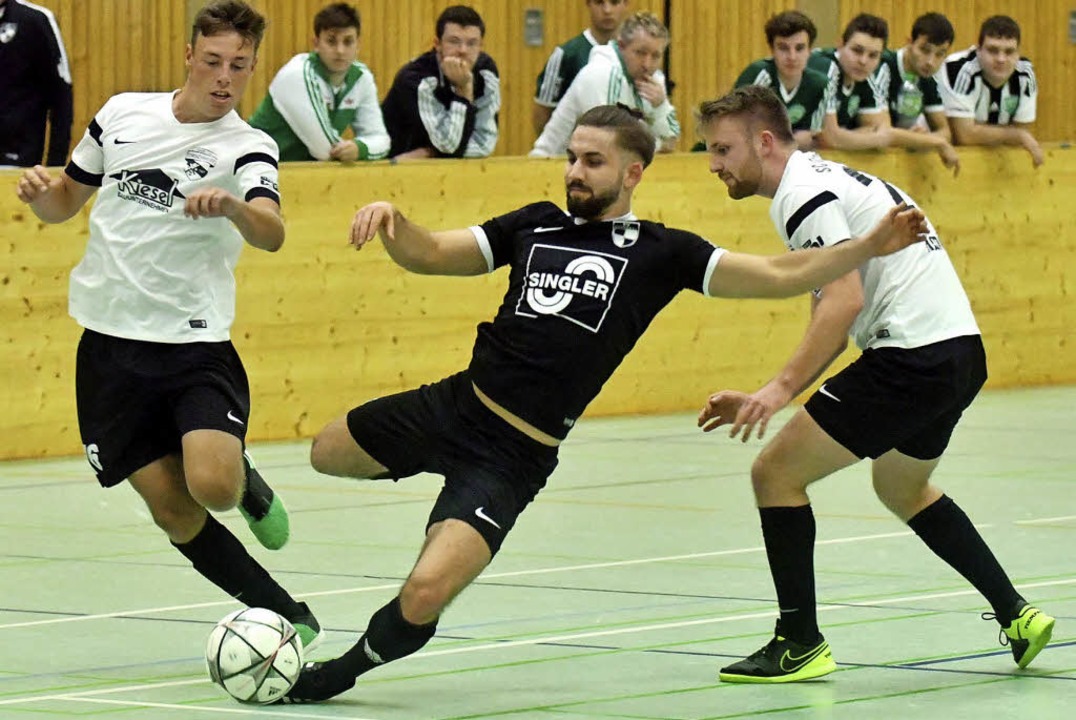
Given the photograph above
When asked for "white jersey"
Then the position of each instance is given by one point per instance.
(911, 298)
(150, 272)
(966, 94)
(603, 81)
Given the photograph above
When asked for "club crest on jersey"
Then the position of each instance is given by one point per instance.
(199, 162)
(853, 105)
(7, 32)
(151, 188)
(796, 113)
(625, 233)
(575, 285)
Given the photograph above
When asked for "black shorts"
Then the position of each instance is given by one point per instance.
(492, 471)
(908, 400)
(137, 399)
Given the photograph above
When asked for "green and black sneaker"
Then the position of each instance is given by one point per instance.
(263, 509)
(782, 660)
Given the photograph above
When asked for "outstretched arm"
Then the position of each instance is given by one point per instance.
(832, 316)
(744, 275)
(413, 247)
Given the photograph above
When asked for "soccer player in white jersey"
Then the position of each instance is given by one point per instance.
(990, 92)
(922, 365)
(162, 396)
(583, 287)
(627, 71)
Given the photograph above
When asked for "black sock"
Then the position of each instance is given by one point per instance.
(789, 533)
(388, 637)
(947, 531)
(222, 559)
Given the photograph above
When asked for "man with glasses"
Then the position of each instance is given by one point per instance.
(444, 103)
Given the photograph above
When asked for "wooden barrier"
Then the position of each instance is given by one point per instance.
(322, 328)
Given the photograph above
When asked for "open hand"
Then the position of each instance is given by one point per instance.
(369, 220)
(902, 226)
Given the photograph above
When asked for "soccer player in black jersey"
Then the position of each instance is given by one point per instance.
(583, 288)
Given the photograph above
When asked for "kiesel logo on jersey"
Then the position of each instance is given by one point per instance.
(151, 188)
(573, 284)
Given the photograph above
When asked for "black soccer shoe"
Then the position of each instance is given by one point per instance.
(319, 681)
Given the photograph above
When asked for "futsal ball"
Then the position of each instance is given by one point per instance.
(255, 655)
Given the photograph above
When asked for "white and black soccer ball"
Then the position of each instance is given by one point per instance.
(255, 655)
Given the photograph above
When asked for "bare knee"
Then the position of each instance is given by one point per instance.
(217, 486)
(179, 521)
(335, 452)
(423, 598)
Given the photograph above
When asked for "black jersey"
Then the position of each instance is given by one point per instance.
(579, 297)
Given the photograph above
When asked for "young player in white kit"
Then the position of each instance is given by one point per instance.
(163, 402)
(922, 364)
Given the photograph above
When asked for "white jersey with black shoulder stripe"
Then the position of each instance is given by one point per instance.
(911, 298)
(150, 272)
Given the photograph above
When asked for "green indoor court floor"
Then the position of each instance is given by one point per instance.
(637, 573)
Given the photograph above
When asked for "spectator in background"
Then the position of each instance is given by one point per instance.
(444, 103)
(790, 36)
(854, 116)
(35, 87)
(624, 72)
(905, 77)
(317, 95)
(989, 90)
(568, 59)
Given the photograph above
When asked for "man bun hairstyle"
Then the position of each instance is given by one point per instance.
(632, 132)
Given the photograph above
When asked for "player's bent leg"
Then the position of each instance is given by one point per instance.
(335, 452)
(163, 488)
(221, 475)
(800, 454)
(211, 549)
(213, 466)
(903, 485)
(453, 555)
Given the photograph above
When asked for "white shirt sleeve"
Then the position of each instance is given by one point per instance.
(484, 136)
(957, 104)
(296, 93)
(369, 125)
(1029, 94)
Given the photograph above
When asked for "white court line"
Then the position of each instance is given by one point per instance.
(490, 576)
(261, 711)
(1046, 520)
(549, 639)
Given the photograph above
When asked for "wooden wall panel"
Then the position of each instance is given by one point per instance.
(712, 42)
(321, 327)
(121, 45)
